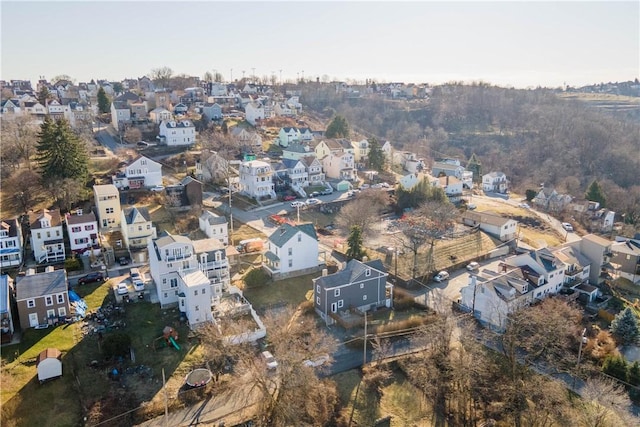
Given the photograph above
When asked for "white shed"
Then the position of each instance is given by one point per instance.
(49, 364)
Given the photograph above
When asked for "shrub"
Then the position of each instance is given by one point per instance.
(72, 264)
(402, 299)
(412, 322)
(116, 344)
(256, 277)
(615, 366)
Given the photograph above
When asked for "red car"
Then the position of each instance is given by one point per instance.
(288, 198)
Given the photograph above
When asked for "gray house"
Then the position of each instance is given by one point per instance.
(359, 286)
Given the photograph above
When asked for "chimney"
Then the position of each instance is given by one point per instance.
(79, 212)
(365, 258)
(49, 269)
(31, 271)
(325, 272)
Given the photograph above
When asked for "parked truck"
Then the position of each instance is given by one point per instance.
(250, 245)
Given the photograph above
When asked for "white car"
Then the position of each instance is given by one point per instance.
(318, 361)
(157, 188)
(269, 360)
(524, 205)
(138, 285)
(567, 226)
(472, 266)
(122, 289)
(311, 202)
(442, 276)
(298, 204)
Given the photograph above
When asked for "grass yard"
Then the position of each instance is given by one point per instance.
(291, 291)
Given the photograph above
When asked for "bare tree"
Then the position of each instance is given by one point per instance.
(26, 190)
(363, 211)
(161, 76)
(132, 135)
(605, 404)
(20, 135)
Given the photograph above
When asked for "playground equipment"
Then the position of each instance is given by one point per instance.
(169, 336)
(198, 377)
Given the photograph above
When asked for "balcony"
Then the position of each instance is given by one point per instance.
(178, 257)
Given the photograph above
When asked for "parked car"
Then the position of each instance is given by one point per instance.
(567, 226)
(138, 285)
(288, 198)
(471, 206)
(314, 194)
(122, 288)
(472, 266)
(298, 204)
(123, 260)
(326, 192)
(315, 362)
(142, 144)
(269, 360)
(94, 276)
(311, 202)
(364, 186)
(157, 188)
(442, 276)
(524, 205)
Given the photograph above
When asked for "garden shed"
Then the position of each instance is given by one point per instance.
(343, 186)
(49, 364)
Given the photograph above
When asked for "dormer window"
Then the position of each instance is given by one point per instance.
(367, 272)
(44, 223)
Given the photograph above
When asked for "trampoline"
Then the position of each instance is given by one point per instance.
(198, 377)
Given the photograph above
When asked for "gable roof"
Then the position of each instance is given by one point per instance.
(130, 214)
(309, 160)
(290, 163)
(294, 147)
(38, 285)
(188, 180)
(350, 273)
(286, 232)
(127, 96)
(52, 215)
(486, 218)
(212, 218)
(11, 226)
(80, 219)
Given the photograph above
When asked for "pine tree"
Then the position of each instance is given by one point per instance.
(60, 153)
(625, 327)
(376, 156)
(615, 366)
(103, 101)
(44, 95)
(475, 166)
(338, 128)
(634, 374)
(595, 194)
(354, 243)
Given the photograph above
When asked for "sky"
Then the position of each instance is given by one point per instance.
(515, 44)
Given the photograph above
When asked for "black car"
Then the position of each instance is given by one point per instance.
(123, 260)
(95, 276)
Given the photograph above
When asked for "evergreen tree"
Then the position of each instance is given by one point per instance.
(376, 156)
(475, 166)
(625, 327)
(60, 153)
(595, 194)
(354, 243)
(338, 128)
(44, 95)
(634, 374)
(104, 106)
(615, 366)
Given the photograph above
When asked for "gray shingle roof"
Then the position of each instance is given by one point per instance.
(38, 285)
(212, 218)
(287, 231)
(131, 213)
(11, 226)
(351, 272)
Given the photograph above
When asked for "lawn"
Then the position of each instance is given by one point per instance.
(291, 291)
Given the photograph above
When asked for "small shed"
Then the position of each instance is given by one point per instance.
(49, 364)
(343, 186)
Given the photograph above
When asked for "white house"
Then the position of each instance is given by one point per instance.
(213, 111)
(543, 267)
(194, 299)
(11, 243)
(288, 135)
(250, 140)
(499, 227)
(296, 172)
(409, 181)
(495, 182)
(340, 165)
(160, 114)
(83, 232)
(214, 226)
(174, 133)
(256, 179)
(452, 167)
(140, 172)
(47, 240)
(120, 113)
(254, 112)
(297, 151)
(107, 200)
(452, 187)
(292, 250)
(306, 134)
(137, 228)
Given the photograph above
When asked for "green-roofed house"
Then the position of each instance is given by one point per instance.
(292, 251)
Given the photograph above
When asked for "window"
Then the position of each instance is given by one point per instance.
(48, 300)
(51, 313)
(62, 311)
(318, 288)
(290, 251)
(31, 303)
(165, 295)
(139, 228)
(290, 263)
(76, 229)
(197, 308)
(336, 293)
(174, 283)
(318, 300)
(364, 297)
(204, 291)
(195, 292)
(367, 272)
(48, 234)
(109, 210)
(340, 303)
(88, 227)
(299, 237)
(39, 236)
(361, 285)
(60, 298)
(164, 281)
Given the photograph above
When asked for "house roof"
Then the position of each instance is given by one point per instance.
(351, 272)
(194, 278)
(167, 238)
(52, 215)
(11, 226)
(296, 148)
(445, 166)
(80, 219)
(38, 285)
(448, 180)
(105, 190)
(290, 163)
(130, 214)
(308, 160)
(572, 256)
(212, 218)
(5, 304)
(545, 258)
(210, 245)
(597, 240)
(120, 105)
(286, 232)
(486, 218)
(49, 353)
(188, 180)
(495, 174)
(628, 247)
(180, 124)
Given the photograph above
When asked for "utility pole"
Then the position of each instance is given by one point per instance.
(231, 76)
(166, 404)
(280, 77)
(583, 340)
(253, 74)
(364, 353)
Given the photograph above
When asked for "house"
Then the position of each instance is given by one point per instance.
(42, 297)
(505, 229)
(296, 173)
(452, 187)
(452, 167)
(188, 274)
(10, 107)
(187, 193)
(139, 110)
(543, 268)
(256, 179)
(7, 325)
(213, 111)
(387, 149)
(82, 230)
(548, 199)
(292, 250)
(288, 135)
(250, 141)
(410, 162)
(107, 200)
(254, 113)
(296, 151)
(47, 240)
(340, 165)
(214, 226)
(306, 134)
(56, 110)
(137, 228)
(211, 166)
(120, 114)
(495, 182)
(313, 169)
(140, 172)
(162, 99)
(335, 146)
(174, 133)
(625, 259)
(360, 286)
(597, 251)
(409, 181)
(11, 243)
(361, 152)
(159, 115)
(577, 266)
(180, 108)
(49, 364)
